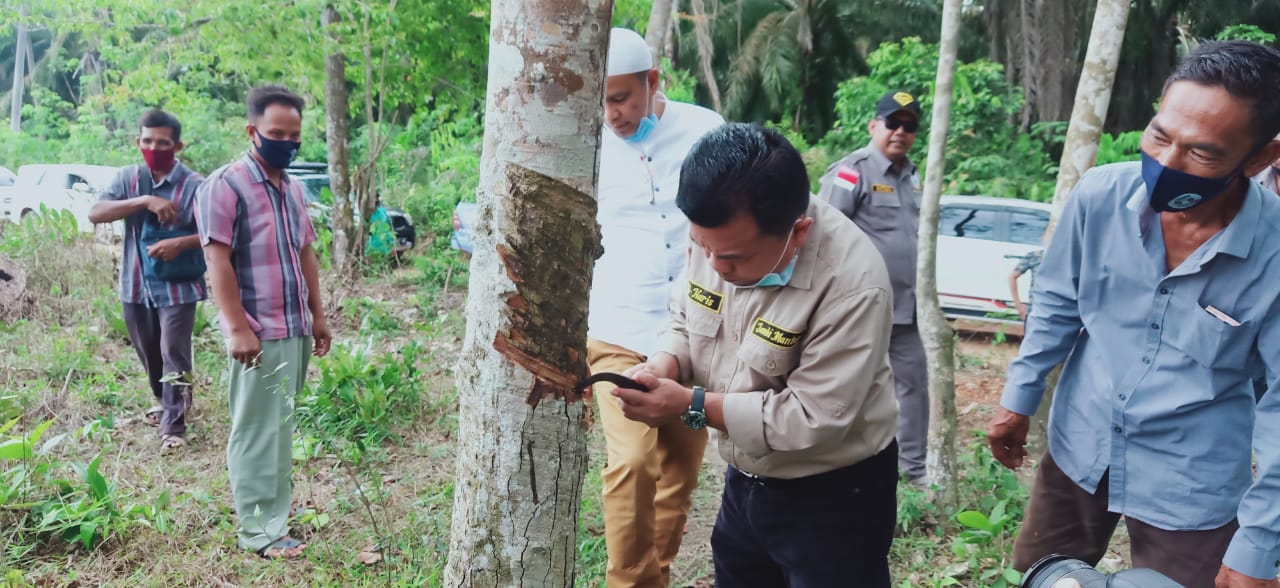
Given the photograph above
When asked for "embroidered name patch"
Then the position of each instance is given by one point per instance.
(774, 335)
(705, 297)
(881, 188)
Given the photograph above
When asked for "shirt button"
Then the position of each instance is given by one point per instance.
(1164, 290)
(1146, 360)
(1155, 326)
(1118, 430)
(1122, 397)
(657, 189)
(664, 215)
(668, 246)
(650, 158)
(671, 278)
(770, 364)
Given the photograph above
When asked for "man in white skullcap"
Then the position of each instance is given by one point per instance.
(651, 471)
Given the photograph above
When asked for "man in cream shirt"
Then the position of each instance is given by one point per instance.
(651, 471)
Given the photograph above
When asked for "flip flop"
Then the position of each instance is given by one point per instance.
(281, 548)
(171, 442)
(152, 416)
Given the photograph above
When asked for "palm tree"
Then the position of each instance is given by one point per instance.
(783, 59)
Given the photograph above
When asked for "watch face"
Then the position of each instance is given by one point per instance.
(695, 420)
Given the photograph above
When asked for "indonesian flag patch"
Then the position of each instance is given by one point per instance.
(846, 177)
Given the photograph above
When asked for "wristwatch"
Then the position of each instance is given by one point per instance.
(696, 417)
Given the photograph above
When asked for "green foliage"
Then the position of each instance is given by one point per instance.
(1246, 32)
(1122, 147)
(359, 396)
(986, 153)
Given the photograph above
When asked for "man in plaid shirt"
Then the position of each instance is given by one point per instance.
(160, 314)
(257, 239)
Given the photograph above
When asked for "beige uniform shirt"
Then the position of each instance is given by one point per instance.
(805, 367)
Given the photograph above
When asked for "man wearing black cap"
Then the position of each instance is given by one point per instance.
(878, 188)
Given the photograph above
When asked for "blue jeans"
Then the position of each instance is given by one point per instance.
(829, 529)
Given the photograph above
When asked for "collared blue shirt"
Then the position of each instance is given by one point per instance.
(1157, 382)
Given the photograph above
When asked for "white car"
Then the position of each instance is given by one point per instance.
(70, 187)
(980, 240)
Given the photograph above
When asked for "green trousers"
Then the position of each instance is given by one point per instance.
(260, 445)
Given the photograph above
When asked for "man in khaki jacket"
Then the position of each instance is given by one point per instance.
(782, 329)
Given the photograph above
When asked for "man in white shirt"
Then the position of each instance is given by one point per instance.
(651, 472)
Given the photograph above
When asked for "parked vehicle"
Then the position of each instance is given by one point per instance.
(315, 180)
(980, 240)
(72, 187)
(464, 221)
(7, 178)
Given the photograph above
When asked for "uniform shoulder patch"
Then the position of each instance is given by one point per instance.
(847, 176)
(774, 335)
(705, 297)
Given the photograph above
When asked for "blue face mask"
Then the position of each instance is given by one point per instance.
(646, 124)
(277, 153)
(783, 277)
(1170, 190)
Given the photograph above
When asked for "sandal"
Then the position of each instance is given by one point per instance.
(283, 548)
(168, 442)
(152, 416)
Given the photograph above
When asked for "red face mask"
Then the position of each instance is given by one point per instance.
(157, 160)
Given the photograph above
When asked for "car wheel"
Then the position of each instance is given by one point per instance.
(25, 212)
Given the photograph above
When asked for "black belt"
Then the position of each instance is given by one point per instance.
(886, 458)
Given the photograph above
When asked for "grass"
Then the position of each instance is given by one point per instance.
(373, 466)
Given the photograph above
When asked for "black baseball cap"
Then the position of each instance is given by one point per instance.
(895, 101)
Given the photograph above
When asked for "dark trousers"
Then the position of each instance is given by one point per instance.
(162, 338)
(1062, 518)
(829, 529)
(911, 385)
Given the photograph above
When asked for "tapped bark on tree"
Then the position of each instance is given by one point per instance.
(522, 448)
(336, 127)
(939, 341)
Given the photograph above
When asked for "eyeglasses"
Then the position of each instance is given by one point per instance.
(908, 126)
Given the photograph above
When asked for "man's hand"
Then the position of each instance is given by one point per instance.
(165, 210)
(321, 337)
(665, 401)
(660, 366)
(1007, 435)
(167, 249)
(1229, 578)
(1022, 309)
(245, 348)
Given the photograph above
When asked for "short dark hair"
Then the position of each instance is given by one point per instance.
(1246, 70)
(159, 119)
(744, 168)
(263, 96)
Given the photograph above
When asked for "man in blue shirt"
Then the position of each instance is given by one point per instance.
(1159, 290)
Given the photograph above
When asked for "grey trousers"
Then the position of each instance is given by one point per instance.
(162, 338)
(911, 384)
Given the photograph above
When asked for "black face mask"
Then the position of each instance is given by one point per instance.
(277, 153)
(1171, 190)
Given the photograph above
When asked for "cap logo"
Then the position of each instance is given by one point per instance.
(903, 98)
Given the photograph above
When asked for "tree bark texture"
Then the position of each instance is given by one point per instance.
(939, 341)
(1093, 97)
(336, 125)
(522, 448)
(702, 32)
(659, 28)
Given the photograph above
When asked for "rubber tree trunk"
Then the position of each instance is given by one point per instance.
(336, 127)
(939, 341)
(521, 445)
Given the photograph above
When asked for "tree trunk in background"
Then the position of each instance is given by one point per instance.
(702, 31)
(336, 129)
(21, 49)
(658, 30)
(1093, 97)
(522, 448)
(939, 341)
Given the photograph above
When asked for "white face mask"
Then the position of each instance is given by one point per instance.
(778, 278)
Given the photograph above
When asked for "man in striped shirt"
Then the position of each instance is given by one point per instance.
(257, 239)
(160, 314)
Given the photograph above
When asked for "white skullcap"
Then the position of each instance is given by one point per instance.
(628, 53)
